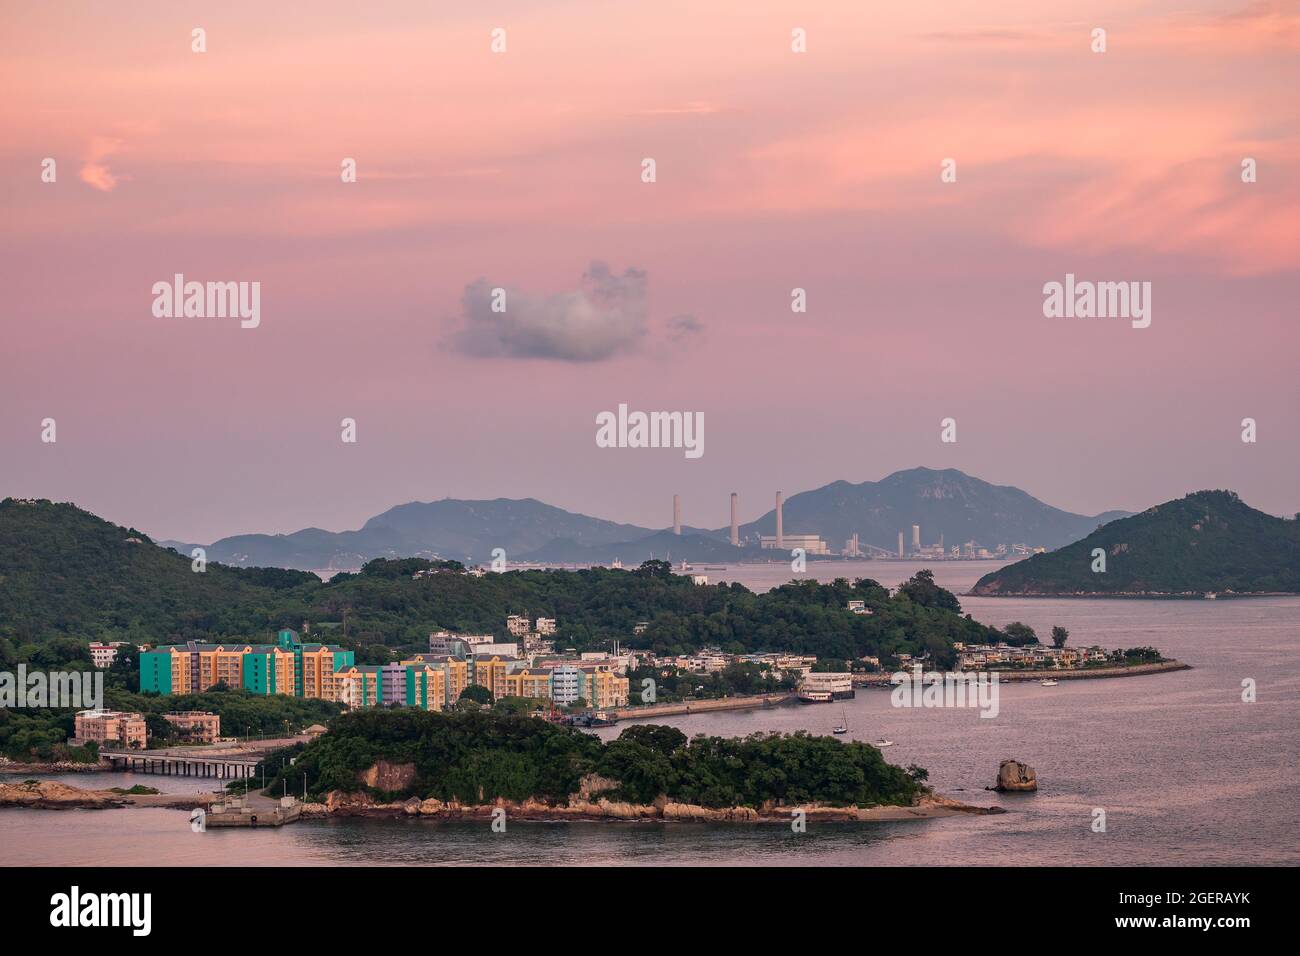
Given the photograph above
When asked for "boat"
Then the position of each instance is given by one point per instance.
(882, 742)
(1049, 682)
(843, 727)
(598, 718)
(815, 697)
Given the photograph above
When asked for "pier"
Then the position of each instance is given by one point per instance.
(221, 766)
(252, 810)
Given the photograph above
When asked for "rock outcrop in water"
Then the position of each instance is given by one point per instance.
(362, 804)
(1016, 777)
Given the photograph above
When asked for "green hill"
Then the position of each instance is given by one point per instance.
(63, 571)
(1210, 541)
(68, 577)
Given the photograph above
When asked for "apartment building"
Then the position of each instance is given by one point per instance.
(444, 642)
(198, 726)
(287, 667)
(109, 728)
(103, 655)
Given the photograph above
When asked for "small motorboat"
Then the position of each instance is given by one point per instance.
(1048, 683)
(882, 742)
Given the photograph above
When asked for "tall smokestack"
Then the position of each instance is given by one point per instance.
(900, 544)
(916, 537)
(735, 520)
(780, 541)
(677, 514)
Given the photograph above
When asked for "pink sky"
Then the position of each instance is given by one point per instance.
(775, 170)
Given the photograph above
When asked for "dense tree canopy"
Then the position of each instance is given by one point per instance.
(477, 757)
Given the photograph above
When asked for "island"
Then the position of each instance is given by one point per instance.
(1209, 544)
(491, 765)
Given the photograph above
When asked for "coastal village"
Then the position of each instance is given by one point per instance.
(583, 689)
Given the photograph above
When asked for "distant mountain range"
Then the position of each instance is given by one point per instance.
(1210, 541)
(947, 503)
(450, 528)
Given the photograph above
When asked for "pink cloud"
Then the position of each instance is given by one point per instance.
(94, 171)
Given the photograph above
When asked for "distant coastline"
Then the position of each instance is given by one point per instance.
(1083, 673)
(1133, 595)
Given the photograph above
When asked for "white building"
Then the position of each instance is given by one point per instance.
(545, 626)
(518, 625)
(103, 655)
(442, 642)
(837, 683)
(811, 543)
(566, 684)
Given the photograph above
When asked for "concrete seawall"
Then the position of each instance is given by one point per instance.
(702, 706)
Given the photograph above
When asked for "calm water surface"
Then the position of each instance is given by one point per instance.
(1186, 772)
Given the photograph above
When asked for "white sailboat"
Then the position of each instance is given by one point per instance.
(843, 727)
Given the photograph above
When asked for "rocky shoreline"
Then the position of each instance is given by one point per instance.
(49, 795)
(58, 766)
(662, 810)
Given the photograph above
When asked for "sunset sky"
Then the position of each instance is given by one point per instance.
(522, 170)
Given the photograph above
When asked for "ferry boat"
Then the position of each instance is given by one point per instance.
(815, 697)
(597, 718)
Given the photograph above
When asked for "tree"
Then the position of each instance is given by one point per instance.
(1059, 636)
(923, 591)
(1018, 634)
(655, 569)
(477, 693)
(655, 736)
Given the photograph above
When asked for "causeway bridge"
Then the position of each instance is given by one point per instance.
(227, 766)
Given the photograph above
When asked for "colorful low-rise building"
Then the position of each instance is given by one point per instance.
(109, 728)
(288, 666)
(199, 726)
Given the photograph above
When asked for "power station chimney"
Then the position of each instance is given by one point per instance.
(677, 514)
(735, 520)
(916, 538)
(900, 544)
(780, 540)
